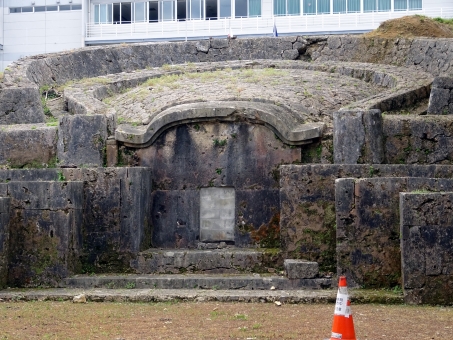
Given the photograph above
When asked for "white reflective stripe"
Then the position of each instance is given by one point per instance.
(341, 306)
(336, 335)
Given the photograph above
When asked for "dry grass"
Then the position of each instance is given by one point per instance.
(64, 320)
(413, 26)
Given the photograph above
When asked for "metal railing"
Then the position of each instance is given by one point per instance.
(188, 29)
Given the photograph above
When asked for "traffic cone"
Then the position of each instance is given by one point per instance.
(343, 325)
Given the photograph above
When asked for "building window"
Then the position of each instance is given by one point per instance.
(286, 7)
(51, 8)
(15, 9)
(404, 5)
(40, 8)
(224, 9)
(377, 5)
(316, 7)
(65, 7)
(103, 14)
(346, 6)
(247, 8)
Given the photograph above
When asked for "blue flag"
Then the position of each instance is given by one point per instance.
(274, 31)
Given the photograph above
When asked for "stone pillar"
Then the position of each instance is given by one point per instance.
(4, 239)
(441, 97)
(358, 137)
(112, 152)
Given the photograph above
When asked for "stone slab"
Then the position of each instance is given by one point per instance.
(299, 296)
(411, 139)
(427, 247)
(82, 140)
(20, 105)
(357, 137)
(441, 98)
(32, 145)
(300, 269)
(44, 195)
(217, 214)
(176, 261)
(188, 281)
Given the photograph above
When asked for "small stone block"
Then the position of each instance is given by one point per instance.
(301, 269)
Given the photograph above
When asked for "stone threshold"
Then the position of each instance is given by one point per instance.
(358, 296)
(195, 281)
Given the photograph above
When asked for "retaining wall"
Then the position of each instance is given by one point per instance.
(427, 247)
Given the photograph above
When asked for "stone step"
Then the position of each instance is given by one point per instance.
(194, 281)
(206, 261)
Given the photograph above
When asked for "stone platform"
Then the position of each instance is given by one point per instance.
(358, 296)
(195, 281)
(209, 261)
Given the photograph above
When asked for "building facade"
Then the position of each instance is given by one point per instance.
(31, 27)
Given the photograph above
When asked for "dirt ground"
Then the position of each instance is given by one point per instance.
(209, 320)
(413, 26)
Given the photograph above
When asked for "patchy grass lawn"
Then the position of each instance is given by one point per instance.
(208, 320)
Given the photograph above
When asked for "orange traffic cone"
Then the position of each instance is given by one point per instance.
(343, 325)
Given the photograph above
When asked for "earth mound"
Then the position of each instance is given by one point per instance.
(413, 26)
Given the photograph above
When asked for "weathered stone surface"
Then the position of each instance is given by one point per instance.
(175, 261)
(116, 211)
(20, 105)
(441, 98)
(116, 216)
(428, 55)
(216, 154)
(45, 224)
(203, 282)
(4, 239)
(82, 140)
(368, 242)
(112, 152)
(28, 145)
(427, 247)
(217, 214)
(307, 199)
(357, 137)
(418, 139)
(301, 269)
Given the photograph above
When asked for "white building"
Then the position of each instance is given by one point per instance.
(30, 27)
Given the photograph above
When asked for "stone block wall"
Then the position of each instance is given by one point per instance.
(44, 233)
(418, 139)
(429, 55)
(368, 232)
(307, 204)
(4, 239)
(116, 203)
(427, 247)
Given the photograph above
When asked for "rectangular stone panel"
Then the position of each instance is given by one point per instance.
(218, 203)
(427, 247)
(175, 218)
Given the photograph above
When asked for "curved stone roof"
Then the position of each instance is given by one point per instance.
(297, 99)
